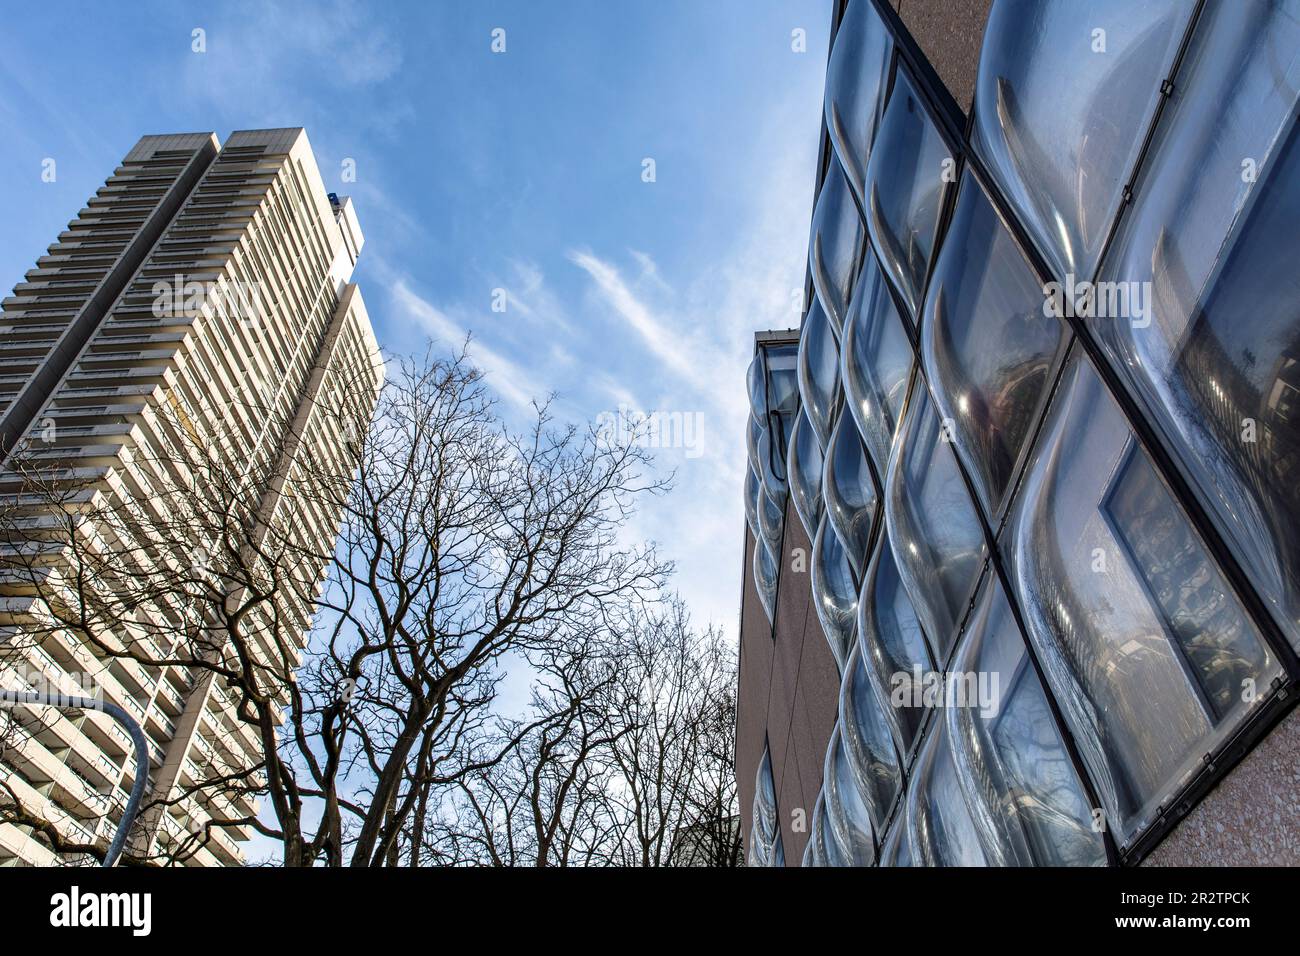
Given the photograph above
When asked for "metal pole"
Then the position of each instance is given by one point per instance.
(11, 698)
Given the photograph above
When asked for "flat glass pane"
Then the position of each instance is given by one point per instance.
(988, 348)
(1065, 94)
(1208, 252)
(1144, 644)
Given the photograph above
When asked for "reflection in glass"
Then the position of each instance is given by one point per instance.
(1144, 644)
(894, 646)
(942, 830)
(1065, 93)
(933, 529)
(868, 745)
(821, 849)
(846, 814)
(835, 246)
(819, 372)
(765, 577)
(850, 492)
(876, 360)
(1215, 359)
(763, 831)
(987, 347)
(897, 850)
(856, 77)
(1024, 793)
(806, 474)
(835, 594)
(905, 184)
(770, 522)
(752, 492)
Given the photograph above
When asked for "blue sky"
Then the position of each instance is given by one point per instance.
(478, 171)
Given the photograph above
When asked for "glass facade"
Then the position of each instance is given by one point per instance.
(1045, 426)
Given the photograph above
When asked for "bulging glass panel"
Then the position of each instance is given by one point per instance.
(835, 593)
(835, 246)
(849, 488)
(1147, 650)
(894, 647)
(1063, 99)
(868, 744)
(806, 466)
(846, 813)
(770, 522)
(988, 347)
(1210, 343)
(766, 571)
(752, 491)
(907, 174)
(875, 362)
(935, 534)
(856, 78)
(819, 372)
(1021, 785)
(942, 830)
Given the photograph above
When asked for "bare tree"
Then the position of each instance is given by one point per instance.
(461, 543)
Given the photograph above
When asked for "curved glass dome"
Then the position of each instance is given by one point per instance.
(1145, 645)
(835, 594)
(771, 457)
(1214, 358)
(906, 177)
(835, 246)
(753, 432)
(983, 291)
(846, 815)
(868, 745)
(1063, 99)
(819, 849)
(850, 492)
(805, 459)
(765, 577)
(894, 648)
(876, 358)
(856, 78)
(819, 372)
(1022, 789)
(933, 529)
